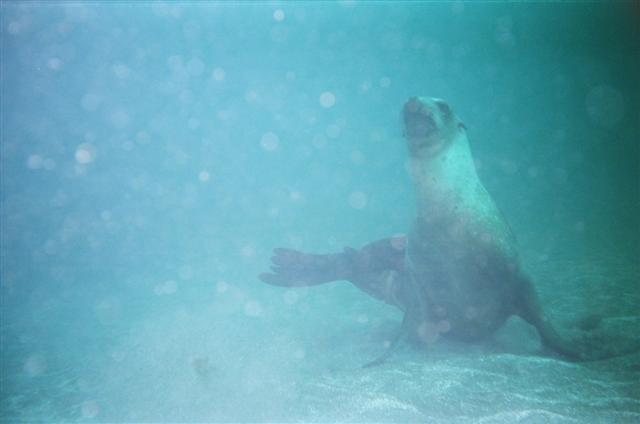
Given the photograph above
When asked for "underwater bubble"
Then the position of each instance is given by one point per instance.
(357, 157)
(362, 319)
(186, 96)
(269, 141)
(278, 15)
(443, 326)
(251, 96)
(290, 76)
(191, 30)
(503, 33)
(85, 153)
(253, 308)
(279, 34)
(195, 67)
(364, 87)
(142, 137)
(118, 355)
(203, 176)
(274, 211)
(290, 297)
(578, 226)
(127, 145)
(166, 288)
(222, 286)
(122, 71)
(50, 247)
(185, 272)
(175, 62)
(299, 354)
(457, 7)
(54, 64)
(385, 82)
(319, 141)
(193, 124)
(35, 365)
(49, 164)
(327, 99)
(333, 131)
(90, 409)
(202, 366)
(248, 251)
(218, 74)
(471, 312)
(357, 200)
(105, 215)
(428, 332)
(14, 27)
(119, 118)
(34, 161)
(90, 102)
(296, 196)
(509, 167)
(399, 241)
(223, 115)
(440, 311)
(107, 310)
(605, 105)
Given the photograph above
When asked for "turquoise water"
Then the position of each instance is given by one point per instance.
(154, 154)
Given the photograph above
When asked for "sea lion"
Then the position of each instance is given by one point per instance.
(457, 273)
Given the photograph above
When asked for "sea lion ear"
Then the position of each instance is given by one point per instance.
(462, 125)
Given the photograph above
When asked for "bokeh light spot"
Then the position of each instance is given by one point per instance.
(85, 153)
(357, 200)
(278, 15)
(327, 99)
(269, 141)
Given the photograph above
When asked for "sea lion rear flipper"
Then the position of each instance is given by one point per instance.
(529, 309)
(588, 344)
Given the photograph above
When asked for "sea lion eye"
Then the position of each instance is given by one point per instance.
(444, 108)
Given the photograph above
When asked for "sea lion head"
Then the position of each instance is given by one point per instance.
(429, 125)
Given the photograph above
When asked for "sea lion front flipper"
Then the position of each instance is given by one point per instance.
(392, 347)
(365, 267)
(292, 268)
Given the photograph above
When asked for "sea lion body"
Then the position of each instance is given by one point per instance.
(457, 273)
(461, 258)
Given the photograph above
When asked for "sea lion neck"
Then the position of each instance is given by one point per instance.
(446, 179)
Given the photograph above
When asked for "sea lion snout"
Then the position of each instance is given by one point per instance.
(419, 119)
(425, 122)
(417, 107)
